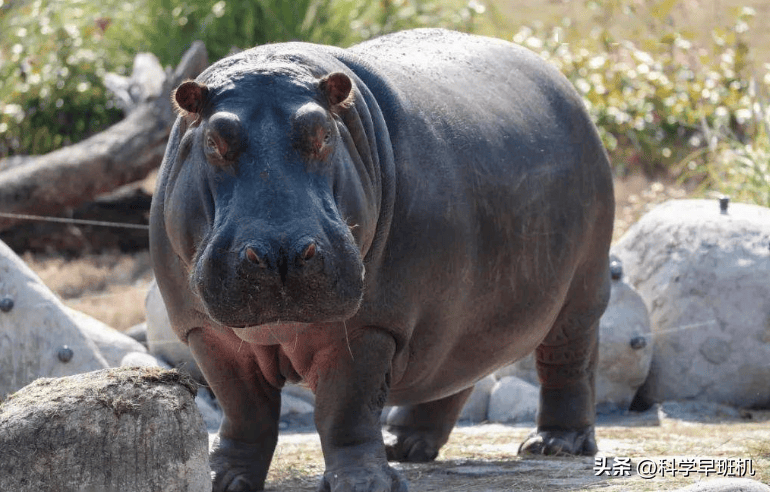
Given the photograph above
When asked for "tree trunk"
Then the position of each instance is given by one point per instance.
(124, 153)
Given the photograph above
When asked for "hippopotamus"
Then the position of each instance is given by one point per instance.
(386, 224)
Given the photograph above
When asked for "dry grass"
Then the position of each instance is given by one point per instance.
(111, 287)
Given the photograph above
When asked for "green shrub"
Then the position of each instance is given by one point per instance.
(54, 53)
(653, 104)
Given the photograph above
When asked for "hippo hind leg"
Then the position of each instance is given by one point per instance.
(420, 430)
(566, 366)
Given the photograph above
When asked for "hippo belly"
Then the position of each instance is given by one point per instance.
(388, 223)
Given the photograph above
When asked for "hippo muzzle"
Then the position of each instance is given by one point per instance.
(308, 278)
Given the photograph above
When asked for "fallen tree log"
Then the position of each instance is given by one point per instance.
(125, 152)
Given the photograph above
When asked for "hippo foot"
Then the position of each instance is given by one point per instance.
(235, 466)
(560, 443)
(367, 478)
(411, 446)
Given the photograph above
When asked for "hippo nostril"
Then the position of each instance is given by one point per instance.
(309, 251)
(253, 257)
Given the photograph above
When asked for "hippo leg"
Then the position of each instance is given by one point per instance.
(241, 454)
(352, 389)
(566, 367)
(422, 429)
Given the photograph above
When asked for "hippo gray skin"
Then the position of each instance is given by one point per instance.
(387, 224)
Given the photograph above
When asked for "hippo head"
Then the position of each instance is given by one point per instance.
(263, 202)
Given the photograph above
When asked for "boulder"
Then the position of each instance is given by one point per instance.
(114, 429)
(477, 406)
(40, 337)
(513, 400)
(161, 339)
(703, 275)
(625, 349)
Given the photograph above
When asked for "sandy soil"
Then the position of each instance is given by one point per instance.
(483, 458)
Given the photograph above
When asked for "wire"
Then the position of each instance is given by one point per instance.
(64, 220)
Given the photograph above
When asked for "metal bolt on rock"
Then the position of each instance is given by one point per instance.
(616, 269)
(638, 343)
(724, 202)
(65, 354)
(6, 304)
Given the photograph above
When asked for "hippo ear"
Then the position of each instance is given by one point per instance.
(190, 97)
(338, 89)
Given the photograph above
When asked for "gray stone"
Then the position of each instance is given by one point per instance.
(625, 351)
(112, 344)
(138, 333)
(726, 485)
(513, 400)
(161, 339)
(698, 411)
(114, 429)
(298, 391)
(142, 359)
(704, 278)
(477, 406)
(210, 411)
(35, 328)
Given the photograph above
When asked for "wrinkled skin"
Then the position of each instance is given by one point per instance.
(388, 224)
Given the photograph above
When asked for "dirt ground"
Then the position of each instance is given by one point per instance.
(482, 458)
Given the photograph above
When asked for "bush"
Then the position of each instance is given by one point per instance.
(54, 53)
(654, 106)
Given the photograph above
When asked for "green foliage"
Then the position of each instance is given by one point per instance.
(169, 26)
(652, 102)
(54, 53)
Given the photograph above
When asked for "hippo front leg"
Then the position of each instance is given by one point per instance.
(352, 388)
(242, 451)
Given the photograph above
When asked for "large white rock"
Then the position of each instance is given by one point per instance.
(40, 337)
(513, 400)
(705, 278)
(477, 406)
(625, 351)
(161, 339)
(134, 429)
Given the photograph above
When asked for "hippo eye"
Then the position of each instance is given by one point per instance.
(327, 137)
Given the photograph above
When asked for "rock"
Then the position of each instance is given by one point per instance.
(704, 278)
(698, 411)
(114, 429)
(296, 411)
(477, 406)
(302, 392)
(161, 339)
(112, 344)
(726, 485)
(210, 411)
(625, 351)
(142, 359)
(513, 400)
(138, 333)
(39, 336)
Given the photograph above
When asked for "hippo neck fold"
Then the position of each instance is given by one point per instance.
(371, 137)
